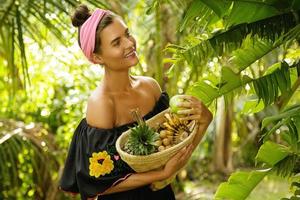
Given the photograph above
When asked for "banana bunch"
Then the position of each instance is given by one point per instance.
(172, 132)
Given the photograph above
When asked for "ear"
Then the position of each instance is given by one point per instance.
(98, 59)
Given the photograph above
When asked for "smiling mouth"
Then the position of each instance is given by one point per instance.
(130, 54)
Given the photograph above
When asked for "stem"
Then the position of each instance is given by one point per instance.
(287, 97)
(158, 43)
(136, 115)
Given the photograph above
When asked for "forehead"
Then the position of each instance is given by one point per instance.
(113, 30)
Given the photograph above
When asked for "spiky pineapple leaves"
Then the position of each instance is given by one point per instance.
(141, 140)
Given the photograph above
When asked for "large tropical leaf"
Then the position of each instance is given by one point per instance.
(289, 117)
(254, 49)
(203, 13)
(240, 185)
(266, 87)
(279, 152)
(220, 42)
(287, 113)
(248, 12)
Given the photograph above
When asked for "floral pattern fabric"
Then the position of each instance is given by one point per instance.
(100, 164)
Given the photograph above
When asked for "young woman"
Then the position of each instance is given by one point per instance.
(93, 167)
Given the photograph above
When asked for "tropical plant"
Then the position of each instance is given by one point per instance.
(240, 34)
(24, 150)
(21, 19)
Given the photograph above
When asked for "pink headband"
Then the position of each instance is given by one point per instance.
(88, 33)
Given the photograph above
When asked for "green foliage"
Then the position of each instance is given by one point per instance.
(296, 195)
(279, 153)
(281, 158)
(288, 117)
(24, 150)
(266, 33)
(248, 12)
(267, 86)
(252, 30)
(221, 47)
(19, 19)
(255, 48)
(239, 185)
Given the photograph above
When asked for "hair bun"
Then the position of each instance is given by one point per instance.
(81, 14)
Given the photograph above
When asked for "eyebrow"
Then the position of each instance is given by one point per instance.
(117, 38)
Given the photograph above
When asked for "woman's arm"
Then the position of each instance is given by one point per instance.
(142, 179)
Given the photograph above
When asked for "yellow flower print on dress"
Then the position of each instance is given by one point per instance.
(100, 164)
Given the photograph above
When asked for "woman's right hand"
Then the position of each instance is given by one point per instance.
(178, 161)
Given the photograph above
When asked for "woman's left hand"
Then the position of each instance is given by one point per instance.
(193, 109)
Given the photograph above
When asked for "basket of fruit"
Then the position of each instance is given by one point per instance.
(151, 143)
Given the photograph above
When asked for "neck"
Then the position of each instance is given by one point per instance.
(117, 81)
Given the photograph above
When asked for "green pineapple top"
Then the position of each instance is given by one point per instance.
(141, 140)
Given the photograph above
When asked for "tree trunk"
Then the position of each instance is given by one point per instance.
(158, 49)
(222, 160)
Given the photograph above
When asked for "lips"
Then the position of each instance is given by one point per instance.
(131, 53)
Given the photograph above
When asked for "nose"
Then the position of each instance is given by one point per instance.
(129, 44)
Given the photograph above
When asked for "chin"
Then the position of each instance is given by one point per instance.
(133, 62)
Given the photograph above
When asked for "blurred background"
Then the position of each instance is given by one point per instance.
(241, 58)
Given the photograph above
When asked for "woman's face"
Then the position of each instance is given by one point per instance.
(118, 46)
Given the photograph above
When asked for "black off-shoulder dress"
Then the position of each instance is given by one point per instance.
(93, 164)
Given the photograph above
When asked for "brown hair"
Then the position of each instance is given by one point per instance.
(81, 14)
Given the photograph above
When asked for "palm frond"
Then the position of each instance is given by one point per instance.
(271, 153)
(240, 184)
(254, 48)
(26, 150)
(285, 167)
(198, 16)
(278, 29)
(266, 87)
(21, 18)
(22, 47)
(290, 118)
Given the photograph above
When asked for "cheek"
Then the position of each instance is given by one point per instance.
(114, 53)
(134, 41)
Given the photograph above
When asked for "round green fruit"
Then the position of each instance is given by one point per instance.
(174, 103)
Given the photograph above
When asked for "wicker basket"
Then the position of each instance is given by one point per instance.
(158, 159)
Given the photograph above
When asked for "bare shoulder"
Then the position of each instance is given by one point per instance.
(100, 111)
(152, 84)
